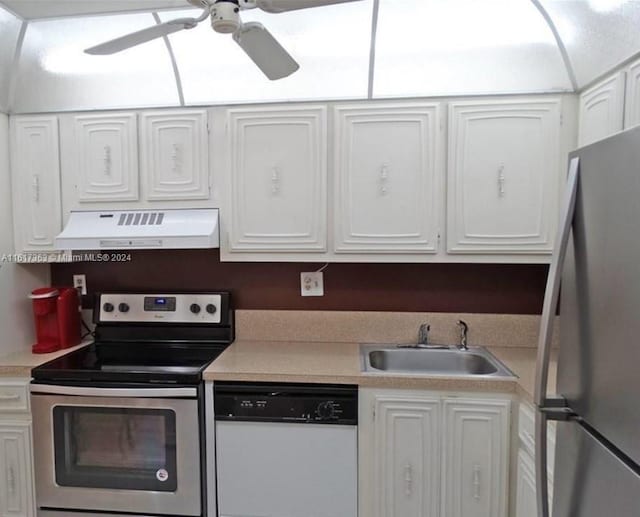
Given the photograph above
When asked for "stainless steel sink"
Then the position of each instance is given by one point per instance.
(451, 361)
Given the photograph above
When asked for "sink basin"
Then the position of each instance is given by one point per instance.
(476, 361)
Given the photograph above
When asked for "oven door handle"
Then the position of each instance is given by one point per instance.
(84, 391)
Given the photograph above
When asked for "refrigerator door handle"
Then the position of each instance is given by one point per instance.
(546, 331)
(552, 289)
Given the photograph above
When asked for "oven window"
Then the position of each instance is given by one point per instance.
(120, 448)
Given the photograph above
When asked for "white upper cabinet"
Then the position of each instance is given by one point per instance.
(277, 179)
(602, 110)
(476, 457)
(393, 183)
(35, 167)
(387, 178)
(174, 155)
(103, 157)
(109, 162)
(503, 176)
(632, 96)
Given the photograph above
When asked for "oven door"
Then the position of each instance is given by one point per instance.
(116, 449)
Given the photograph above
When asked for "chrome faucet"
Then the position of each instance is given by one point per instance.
(464, 331)
(423, 340)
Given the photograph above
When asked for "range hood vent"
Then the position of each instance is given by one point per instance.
(141, 218)
(140, 229)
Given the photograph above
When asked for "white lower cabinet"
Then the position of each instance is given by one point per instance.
(526, 505)
(476, 457)
(16, 461)
(407, 466)
(16, 486)
(423, 454)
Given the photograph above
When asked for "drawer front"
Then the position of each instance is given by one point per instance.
(14, 396)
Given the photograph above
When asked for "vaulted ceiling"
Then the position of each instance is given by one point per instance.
(365, 49)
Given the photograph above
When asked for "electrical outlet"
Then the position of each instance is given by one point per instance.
(80, 283)
(311, 284)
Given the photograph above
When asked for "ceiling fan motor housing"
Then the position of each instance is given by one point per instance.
(225, 16)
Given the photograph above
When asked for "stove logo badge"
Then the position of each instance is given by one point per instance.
(162, 475)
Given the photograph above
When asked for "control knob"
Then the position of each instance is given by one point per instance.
(108, 307)
(211, 308)
(326, 410)
(195, 308)
(123, 307)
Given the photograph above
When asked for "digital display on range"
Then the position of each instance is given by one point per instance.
(159, 303)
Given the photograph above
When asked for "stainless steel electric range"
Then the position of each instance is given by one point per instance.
(119, 425)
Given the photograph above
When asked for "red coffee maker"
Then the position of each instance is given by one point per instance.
(57, 318)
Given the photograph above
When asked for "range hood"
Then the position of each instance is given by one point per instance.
(140, 229)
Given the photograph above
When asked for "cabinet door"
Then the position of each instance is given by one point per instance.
(386, 178)
(632, 97)
(35, 168)
(476, 458)
(277, 179)
(526, 502)
(175, 155)
(602, 110)
(407, 457)
(16, 479)
(503, 176)
(104, 159)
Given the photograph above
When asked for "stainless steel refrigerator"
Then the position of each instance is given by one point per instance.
(595, 274)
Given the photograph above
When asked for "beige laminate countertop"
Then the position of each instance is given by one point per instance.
(20, 364)
(339, 363)
(316, 362)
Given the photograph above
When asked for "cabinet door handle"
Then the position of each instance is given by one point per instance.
(107, 160)
(176, 158)
(275, 180)
(501, 181)
(384, 180)
(11, 481)
(35, 185)
(408, 479)
(476, 482)
(9, 397)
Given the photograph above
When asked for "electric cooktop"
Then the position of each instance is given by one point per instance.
(148, 338)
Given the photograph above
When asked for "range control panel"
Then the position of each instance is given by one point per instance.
(208, 308)
(302, 404)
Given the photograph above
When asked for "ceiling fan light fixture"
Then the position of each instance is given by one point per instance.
(225, 16)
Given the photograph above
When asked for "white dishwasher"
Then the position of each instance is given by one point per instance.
(286, 450)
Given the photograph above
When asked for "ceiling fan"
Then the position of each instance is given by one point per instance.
(258, 43)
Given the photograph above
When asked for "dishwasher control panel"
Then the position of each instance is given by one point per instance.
(296, 403)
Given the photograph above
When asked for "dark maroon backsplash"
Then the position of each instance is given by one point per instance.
(489, 288)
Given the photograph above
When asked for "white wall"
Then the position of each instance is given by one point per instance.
(16, 281)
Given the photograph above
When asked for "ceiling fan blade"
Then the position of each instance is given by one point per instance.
(142, 36)
(281, 6)
(265, 51)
